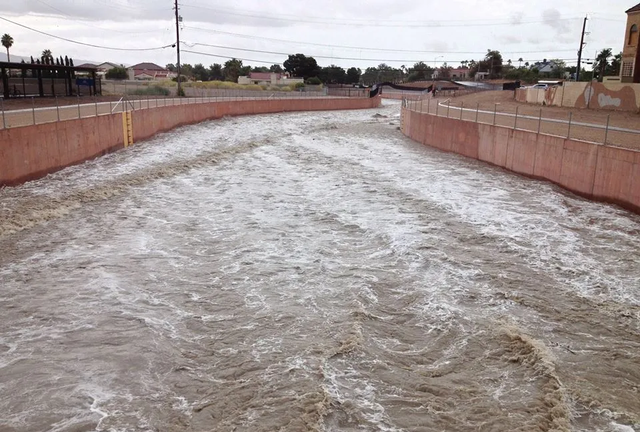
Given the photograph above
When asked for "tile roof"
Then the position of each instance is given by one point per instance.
(262, 75)
(148, 66)
(636, 8)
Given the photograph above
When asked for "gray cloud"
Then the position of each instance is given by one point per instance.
(553, 18)
(508, 39)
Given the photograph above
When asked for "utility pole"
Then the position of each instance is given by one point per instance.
(178, 47)
(584, 28)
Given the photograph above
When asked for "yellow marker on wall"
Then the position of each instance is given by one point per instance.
(127, 128)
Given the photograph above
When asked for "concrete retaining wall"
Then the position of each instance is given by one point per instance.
(31, 152)
(612, 96)
(594, 171)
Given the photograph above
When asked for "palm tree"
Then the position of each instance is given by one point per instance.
(46, 55)
(7, 42)
(520, 60)
(602, 61)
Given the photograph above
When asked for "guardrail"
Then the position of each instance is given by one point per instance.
(605, 133)
(92, 107)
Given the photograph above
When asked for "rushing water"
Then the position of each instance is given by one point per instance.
(313, 272)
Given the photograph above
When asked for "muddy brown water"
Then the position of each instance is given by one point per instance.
(313, 272)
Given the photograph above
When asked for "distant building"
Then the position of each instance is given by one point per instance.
(460, 73)
(269, 78)
(630, 70)
(481, 76)
(149, 72)
(105, 67)
(546, 68)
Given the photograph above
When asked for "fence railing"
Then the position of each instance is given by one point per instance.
(95, 106)
(612, 130)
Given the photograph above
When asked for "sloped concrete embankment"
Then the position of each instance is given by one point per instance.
(598, 172)
(31, 152)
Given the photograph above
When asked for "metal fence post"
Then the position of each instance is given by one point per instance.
(461, 109)
(569, 131)
(477, 111)
(539, 121)
(515, 124)
(78, 97)
(95, 99)
(437, 109)
(57, 108)
(448, 107)
(420, 105)
(495, 110)
(33, 109)
(4, 121)
(606, 131)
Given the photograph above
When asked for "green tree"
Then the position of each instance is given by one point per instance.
(314, 81)
(333, 75)
(186, 70)
(7, 42)
(117, 73)
(46, 57)
(200, 73)
(614, 67)
(301, 66)
(493, 60)
(215, 72)
(445, 71)
(171, 67)
(276, 68)
(262, 69)
(559, 68)
(353, 75)
(232, 70)
(420, 72)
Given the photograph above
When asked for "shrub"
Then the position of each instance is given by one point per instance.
(117, 73)
(296, 86)
(314, 81)
(154, 90)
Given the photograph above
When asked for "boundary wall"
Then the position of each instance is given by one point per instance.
(31, 152)
(603, 173)
(596, 95)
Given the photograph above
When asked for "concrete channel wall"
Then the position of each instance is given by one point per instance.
(31, 152)
(609, 174)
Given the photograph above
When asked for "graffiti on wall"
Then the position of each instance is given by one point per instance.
(623, 97)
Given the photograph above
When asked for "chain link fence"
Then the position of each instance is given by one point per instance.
(613, 130)
(95, 106)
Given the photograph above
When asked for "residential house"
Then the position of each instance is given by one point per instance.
(105, 67)
(546, 68)
(269, 78)
(481, 76)
(149, 72)
(630, 70)
(460, 73)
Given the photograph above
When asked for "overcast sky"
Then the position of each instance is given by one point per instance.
(395, 32)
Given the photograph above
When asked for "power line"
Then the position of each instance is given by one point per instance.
(320, 56)
(93, 26)
(334, 22)
(227, 57)
(376, 60)
(353, 47)
(84, 43)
